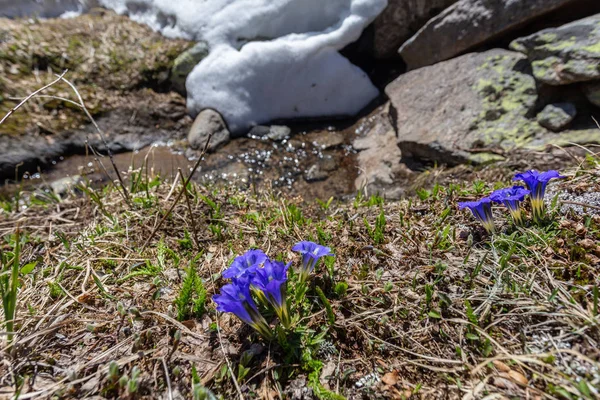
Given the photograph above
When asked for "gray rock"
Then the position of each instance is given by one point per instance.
(315, 173)
(259, 131)
(66, 185)
(185, 62)
(399, 21)
(564, 55)
(592, 92)
(469, 23)
(456, 110)
(328, 163)
(206, 123)
(557, 116)
(329, 140)
(276, 133)
(380, 169)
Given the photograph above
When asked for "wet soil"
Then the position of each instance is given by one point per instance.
(317, 160)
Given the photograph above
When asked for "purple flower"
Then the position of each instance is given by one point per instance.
(235, 298)
(536, 183)
(245, 264)
(511, 198)
(311, 253)
(482, 210)
(271, 280)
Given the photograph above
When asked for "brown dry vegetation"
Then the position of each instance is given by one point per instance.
(109, 58)
(434, 308)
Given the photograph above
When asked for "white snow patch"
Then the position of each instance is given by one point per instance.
(269, 59)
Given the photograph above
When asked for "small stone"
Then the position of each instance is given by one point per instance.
(592, 92)
(259, 131)
(327, 371)
(328, 164)
(315, 173)
(276, 133)
(330, 140)
(208, 122)
(556, 116)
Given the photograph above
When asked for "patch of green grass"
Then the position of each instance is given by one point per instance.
(191, 300)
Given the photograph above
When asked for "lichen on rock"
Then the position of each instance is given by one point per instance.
(564, 55)
(459, 110)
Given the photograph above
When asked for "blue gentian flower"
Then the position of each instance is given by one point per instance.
(311, 253)
(511, 198)
(536, 183)
(271, 280)
(235, 298)
(482, 210)
(245, 264)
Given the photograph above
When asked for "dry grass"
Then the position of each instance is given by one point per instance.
(436, 310)
(110, 58)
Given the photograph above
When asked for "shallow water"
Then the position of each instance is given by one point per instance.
(247, 162)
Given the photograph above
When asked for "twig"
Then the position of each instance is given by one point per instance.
(576, 203)
(60, 77)
(167, 378)
(185, 183)
(102, 137)
(192, 220)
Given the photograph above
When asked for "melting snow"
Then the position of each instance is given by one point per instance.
(269, 59)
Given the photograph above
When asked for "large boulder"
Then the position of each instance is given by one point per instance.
(564, 55)
(469, 23)
(450, 112)
(400, 20)
(473, 108)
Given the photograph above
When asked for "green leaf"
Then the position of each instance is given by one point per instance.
(28, 268)
(472, 336)
(434, 314)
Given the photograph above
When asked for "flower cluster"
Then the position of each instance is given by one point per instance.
(255, 278)
(512, 197)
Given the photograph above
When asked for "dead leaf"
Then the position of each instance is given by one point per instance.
(518, 377)
(190, 324)
(501, 366)
(390, 378)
